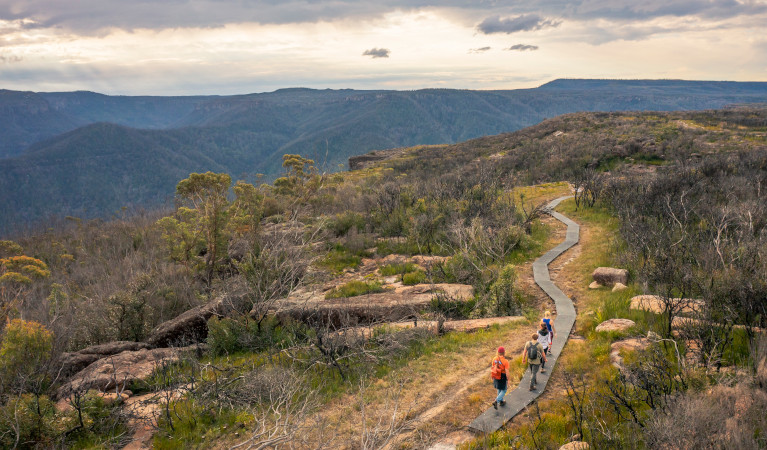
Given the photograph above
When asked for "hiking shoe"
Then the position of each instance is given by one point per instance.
(495, 405)
(532, 388)
(503, 403)
(543, 370)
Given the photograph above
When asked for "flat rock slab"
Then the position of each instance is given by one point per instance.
(615, 325)
(117, 371)
(465, 326)
(518, 399)
(395, 304)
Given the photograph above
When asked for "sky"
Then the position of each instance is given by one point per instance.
(187, 47)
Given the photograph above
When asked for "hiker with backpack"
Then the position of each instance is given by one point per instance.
(549, 325)
(533, 355)
(499, 372)
(544, 338)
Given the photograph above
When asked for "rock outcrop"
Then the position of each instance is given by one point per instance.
(366, 160)
(192, 326)
(608, 276)
(396, 304)
(115, 372)
(575, 445)
(615, 325)
(73, 362)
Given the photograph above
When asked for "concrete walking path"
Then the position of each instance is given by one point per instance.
(518, 399)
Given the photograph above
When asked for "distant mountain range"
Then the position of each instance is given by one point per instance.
(88, 154)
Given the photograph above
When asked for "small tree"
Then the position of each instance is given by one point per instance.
(24, 349)
(16, 276)
(206, 192)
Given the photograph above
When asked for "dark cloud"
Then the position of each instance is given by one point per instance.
(479, 50)
(525, 22)
(10, 59)
(98, 17)
(522, 47)
(377, 52)
(648, 9)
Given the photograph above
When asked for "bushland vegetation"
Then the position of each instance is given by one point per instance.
(686, 188)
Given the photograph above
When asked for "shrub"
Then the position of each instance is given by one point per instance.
(342, 223)
(339, 258)
(355, 288)
(397, 269)
(412, 278)
(28, 420)
(25, 347)
(225, 335)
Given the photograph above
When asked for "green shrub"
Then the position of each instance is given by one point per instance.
(225, 336)
(412, 278)
(24, 348)
(342, 223)
(397, 269)
(339, 258)
(355, 288)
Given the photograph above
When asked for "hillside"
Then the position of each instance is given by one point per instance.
(361, 308)
(247, 135)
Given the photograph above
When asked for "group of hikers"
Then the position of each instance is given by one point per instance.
(534, 355)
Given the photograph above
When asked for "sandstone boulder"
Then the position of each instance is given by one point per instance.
(594, 285)
(400, 303)
(115, 372)
(608, 276)
(615, 325)
(192, 326)
(575, 445)
(73, 362)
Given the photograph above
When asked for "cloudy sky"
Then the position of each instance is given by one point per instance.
(169, 47)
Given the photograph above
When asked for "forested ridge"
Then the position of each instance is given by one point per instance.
(61, 150)
(298, 302)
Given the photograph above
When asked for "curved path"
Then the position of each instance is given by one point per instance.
(520, 397)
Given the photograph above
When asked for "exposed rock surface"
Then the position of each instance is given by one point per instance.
(117, 371)
(594, 285)
(73, 362)
(575, 445)
(655, 304)
(608, 276)
(625, 345)
(191, 327)
(449, 325)
(615, 325)
(396, 304)
(366, 160)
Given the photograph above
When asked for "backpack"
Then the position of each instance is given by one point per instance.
(497, 370)
(532, 351)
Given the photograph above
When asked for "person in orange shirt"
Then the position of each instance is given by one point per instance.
(499, 371)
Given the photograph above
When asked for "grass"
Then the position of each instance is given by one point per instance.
(355, 288)
(339, 258)
(413, 278)
(397, 269)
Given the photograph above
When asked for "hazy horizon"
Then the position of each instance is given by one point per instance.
(227, 47)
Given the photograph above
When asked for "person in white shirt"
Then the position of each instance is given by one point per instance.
(544, 338)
